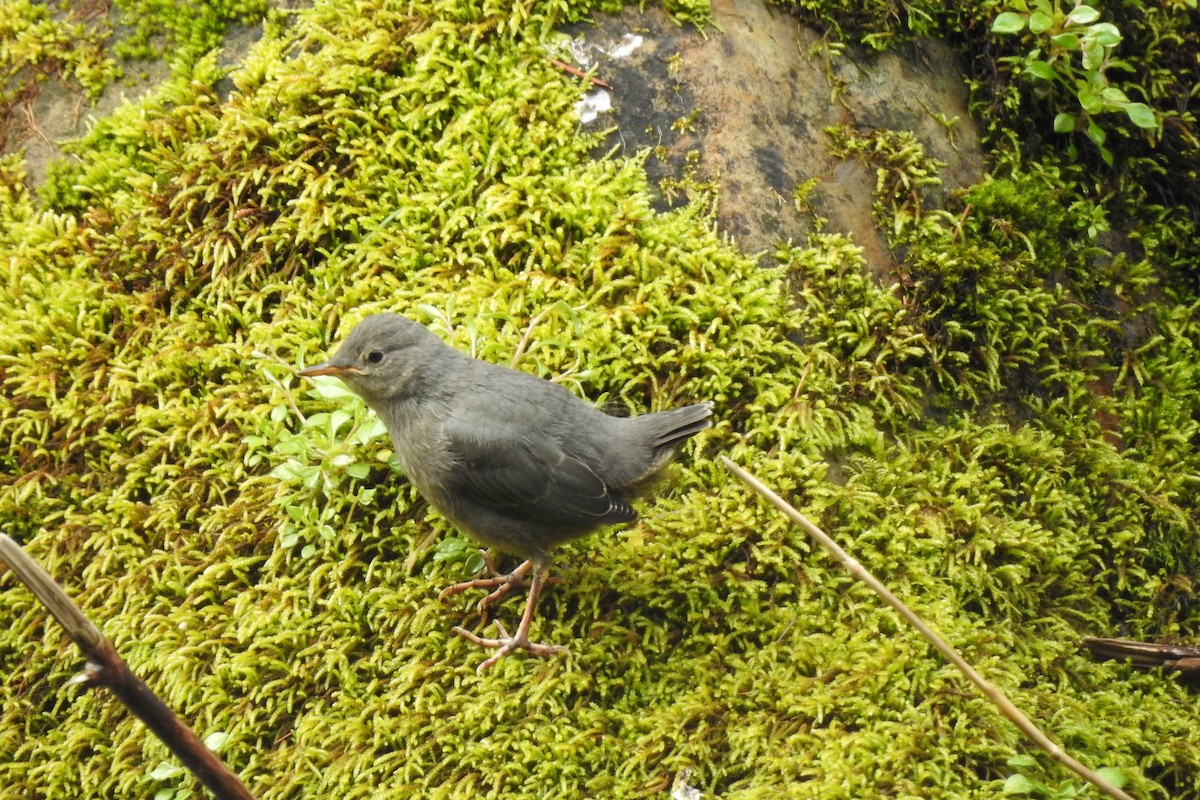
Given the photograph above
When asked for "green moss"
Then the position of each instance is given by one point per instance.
(186, 30)
(1146, 172)
(36, 43)
(77, 44)
(36, 37)
(1003, 430)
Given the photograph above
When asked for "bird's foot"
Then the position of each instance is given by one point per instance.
(500, 583)
(508, 644)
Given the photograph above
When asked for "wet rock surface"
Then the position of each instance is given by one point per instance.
(742, 105)
(746, 105)
(58, 112)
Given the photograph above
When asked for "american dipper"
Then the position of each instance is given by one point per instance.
(517, 462)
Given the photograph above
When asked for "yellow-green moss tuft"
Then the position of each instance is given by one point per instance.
(1004, 433)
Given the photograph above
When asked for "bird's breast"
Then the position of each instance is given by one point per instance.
(420, 447)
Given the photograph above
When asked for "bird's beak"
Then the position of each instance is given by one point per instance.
(329, 368)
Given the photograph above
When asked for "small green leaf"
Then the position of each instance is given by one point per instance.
(1113, 775)
(1018, 784)
(216, 740)
(451, 548)
(1040, 23)
(308, 550)
(429, 311)
(165, 794)
(283, 472)
(337, 420)
(1067, 41)
(1083, 15)
(1022, 761)
(165, 771)
(1064, 122)
(1141, 115)
(1114, 96)
(316, 421)
(1067, 790)
(1008, 22)
(371, 428)
(1041, 70)
(1105, 34)
(1092, 56)
(1090, 103)
(331, 388)
(310, 477)
(474, 564)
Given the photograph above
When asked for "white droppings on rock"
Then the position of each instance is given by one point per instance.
(625, 47)
(593, 104)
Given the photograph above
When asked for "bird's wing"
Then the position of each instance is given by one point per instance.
(529, 479)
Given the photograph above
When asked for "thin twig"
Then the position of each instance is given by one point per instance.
(578, 73)
(961, 221)
(106, 668)
(1014, 714)
(287, 395)
(533, 323)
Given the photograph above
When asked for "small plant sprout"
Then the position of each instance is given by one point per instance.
(1074, 50)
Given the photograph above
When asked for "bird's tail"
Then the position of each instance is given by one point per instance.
(672, 428)
(665, 432)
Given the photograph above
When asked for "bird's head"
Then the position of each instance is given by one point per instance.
(382, 357)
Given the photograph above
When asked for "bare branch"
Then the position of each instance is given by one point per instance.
(106, 668)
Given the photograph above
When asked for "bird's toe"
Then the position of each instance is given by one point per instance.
(505, 645)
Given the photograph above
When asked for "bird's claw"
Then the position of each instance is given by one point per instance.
(502, 581)
(505, 644)
(501, 584)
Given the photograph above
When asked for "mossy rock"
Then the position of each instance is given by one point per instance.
(1004, 432)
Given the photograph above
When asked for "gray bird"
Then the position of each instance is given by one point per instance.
(518, 463)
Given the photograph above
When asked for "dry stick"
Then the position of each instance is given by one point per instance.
(578, 73)
(995, 695)
(106, 668)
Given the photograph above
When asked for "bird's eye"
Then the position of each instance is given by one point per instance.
(375, 356)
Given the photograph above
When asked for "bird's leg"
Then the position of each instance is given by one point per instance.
(519, 641)
(501, 584)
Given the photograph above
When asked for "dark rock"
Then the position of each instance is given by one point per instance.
(746, 104)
